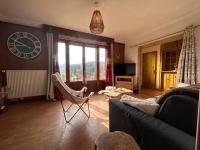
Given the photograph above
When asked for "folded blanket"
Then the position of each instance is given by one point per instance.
(149, 105)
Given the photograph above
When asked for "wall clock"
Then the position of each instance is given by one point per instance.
(24, 45)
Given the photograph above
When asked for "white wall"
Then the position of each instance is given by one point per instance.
(131, 56)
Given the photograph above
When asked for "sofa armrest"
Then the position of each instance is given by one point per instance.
(150, 132)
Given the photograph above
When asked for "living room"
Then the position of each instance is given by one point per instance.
(99, 74)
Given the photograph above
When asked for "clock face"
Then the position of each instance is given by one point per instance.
(24, 45)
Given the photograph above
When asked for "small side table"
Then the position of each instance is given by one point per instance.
(117, 140)
(115, 92)
(3, 97)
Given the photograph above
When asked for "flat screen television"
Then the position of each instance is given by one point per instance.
(127, 69)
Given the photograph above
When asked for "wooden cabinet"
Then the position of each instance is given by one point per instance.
(118, 53)
(124, 82)
(168, 80)
(170, 60)
(170, 57)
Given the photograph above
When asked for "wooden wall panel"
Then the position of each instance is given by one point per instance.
(118, 53)
(9, 61)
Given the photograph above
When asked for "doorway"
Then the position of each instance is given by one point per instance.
(149, 63)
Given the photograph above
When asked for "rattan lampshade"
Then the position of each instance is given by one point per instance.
(96, 24)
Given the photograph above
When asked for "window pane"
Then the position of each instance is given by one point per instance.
(102, 63)
(75, 58)
(62, 60)
(90, 63)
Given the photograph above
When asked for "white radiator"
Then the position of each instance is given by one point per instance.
(26, 83)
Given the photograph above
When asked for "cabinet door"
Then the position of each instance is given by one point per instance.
(172, 80)
(118, 53)
(169, 80)
(165, 81)
(175, 80)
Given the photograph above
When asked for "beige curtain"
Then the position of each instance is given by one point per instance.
(50, 46)
(186, 72)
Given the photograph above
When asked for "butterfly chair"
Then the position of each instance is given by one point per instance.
(75, 97)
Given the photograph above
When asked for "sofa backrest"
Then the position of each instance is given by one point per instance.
(180, 111)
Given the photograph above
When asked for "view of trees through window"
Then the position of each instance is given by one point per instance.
(90, 62)
(76, 64)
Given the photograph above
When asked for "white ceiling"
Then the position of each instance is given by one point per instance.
(130, 21)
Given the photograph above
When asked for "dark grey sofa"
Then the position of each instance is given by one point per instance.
(172, 128)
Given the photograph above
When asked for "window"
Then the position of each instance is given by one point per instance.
(102, 63)
(76, 62)
(90, 63)
(62, 60)
(79, 63)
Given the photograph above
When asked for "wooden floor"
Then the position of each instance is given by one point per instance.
(40, 125)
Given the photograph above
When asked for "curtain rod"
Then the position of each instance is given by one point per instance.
(160, 38)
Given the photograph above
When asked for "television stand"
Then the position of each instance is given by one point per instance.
(124, 82)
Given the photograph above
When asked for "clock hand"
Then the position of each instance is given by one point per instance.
(22, 44)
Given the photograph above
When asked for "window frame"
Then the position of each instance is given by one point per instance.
(63, 41)
(82, 72)
(99, 62)
(96, 72)
(83, 45)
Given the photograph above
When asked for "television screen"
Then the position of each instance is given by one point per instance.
(124, 69)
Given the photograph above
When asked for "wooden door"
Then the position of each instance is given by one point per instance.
(149, 62)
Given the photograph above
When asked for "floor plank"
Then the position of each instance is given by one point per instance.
(40, 125)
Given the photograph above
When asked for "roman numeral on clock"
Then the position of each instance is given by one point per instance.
(11, 44)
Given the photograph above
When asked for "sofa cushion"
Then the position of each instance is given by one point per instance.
(180, 111)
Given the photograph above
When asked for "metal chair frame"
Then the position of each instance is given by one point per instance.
(63, 94)
(80, 107)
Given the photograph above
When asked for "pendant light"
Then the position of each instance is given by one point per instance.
(96, 24)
